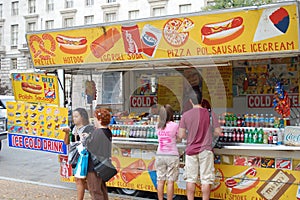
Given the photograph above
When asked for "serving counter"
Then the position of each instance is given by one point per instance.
(243, 171)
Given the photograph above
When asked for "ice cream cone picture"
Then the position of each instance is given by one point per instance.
(152, 172)
(133, 170)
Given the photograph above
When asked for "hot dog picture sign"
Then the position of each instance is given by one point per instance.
(266, 29)
(36, 88)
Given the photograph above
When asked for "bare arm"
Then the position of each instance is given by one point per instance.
(217, 131)
(182, 133)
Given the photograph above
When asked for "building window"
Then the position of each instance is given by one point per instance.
(110, 17)
(49, 24)
(31, 6)
(31, 26)
(89, 2)
(186, 8)
(50, 5)
(159, 11)
(68, 3)
(14, 36)
(133, 14)
(111, 1)
(1, 10)
(112, 88)
(15, 8)
(68, 22)
(89, 19)
(14, 62)
(1, 35)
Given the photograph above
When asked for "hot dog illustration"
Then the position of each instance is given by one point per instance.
(72, 45)
(221, 32)
(31, 88)
(242, 182)
(133, 170)
(105, 42)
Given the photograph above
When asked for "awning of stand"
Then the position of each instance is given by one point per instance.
(163, 63)
(198, 39)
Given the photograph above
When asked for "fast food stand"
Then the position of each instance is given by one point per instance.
(242, 59)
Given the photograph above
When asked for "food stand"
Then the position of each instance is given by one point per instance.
(235, 57)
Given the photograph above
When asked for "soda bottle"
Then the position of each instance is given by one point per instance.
(275, 138)
(265, 139)
(255, 120)
(247, 122)
(261, 120)
(226, 120)
(251, 121)
(234, 135)
(270, 137)
(255, 136)
(271, 121)
(230, 118)
(260, 136)
(229, 139)
(238, 135)
(118, 131)
(280, 138)
(239, 121)
(246, 136)
(266, 124)
(225, 136)
(250, 136)
(243, 123)
(234, 120)
(242, 136)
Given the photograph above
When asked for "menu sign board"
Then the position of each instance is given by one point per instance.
(218, 86)
(37, 88)
(262, 30)
(36, 126)
(170, 91)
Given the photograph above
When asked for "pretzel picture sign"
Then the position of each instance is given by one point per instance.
(35, 88)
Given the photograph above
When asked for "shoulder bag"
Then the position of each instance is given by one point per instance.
(73, 154)
(104, 168)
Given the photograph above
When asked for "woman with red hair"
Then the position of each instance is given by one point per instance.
(99, 144)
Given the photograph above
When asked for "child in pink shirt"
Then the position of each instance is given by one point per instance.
(167, 156)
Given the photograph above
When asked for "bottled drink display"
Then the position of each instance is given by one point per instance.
(133, 131)
(252, 120)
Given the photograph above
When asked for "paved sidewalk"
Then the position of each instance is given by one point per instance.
(18, 190)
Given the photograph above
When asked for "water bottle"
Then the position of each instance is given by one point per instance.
(280, 138)
(266, 121)
(271, 121)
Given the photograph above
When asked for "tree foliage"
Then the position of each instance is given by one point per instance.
(221, 4)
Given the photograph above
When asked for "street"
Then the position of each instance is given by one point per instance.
(25, 174)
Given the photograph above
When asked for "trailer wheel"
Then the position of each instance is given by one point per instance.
(125, 191)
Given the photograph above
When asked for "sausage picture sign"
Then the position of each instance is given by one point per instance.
(265, 29)
(35, 88)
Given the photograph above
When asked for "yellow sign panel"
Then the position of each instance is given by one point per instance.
(37, 88)
(36, 119)
(272, 29)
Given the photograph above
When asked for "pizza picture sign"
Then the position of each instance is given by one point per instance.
(176, 31)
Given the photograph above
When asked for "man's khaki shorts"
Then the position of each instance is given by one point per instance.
(202, 163)
(167, 167)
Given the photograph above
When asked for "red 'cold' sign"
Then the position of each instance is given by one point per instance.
(266, 101)
(142, 101)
